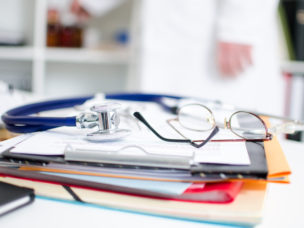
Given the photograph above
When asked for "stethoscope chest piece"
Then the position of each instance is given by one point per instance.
(107, 119)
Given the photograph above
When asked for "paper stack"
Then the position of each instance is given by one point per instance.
(219, 192)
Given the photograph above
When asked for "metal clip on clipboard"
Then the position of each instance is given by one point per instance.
(121, 157)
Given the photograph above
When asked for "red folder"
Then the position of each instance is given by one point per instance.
(218, 192)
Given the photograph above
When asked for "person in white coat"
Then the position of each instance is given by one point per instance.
(216, 49)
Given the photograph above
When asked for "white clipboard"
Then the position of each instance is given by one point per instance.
(137, 157)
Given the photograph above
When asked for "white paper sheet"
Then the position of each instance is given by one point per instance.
(9, 143)
(55, 142)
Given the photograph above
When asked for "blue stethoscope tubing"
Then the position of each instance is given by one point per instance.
(20, 119)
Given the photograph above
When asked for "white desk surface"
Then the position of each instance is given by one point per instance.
(284, 207)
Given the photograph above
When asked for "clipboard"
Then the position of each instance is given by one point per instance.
(121, 157)
(258, 168)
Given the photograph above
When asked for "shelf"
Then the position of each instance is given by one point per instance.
(17, 53)
(67, 55)
(78, 55)
(293, 67)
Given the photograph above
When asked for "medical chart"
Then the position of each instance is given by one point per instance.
(141, 139)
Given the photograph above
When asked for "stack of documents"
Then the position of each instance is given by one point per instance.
(220, 182)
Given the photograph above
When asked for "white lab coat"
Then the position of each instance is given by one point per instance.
(174, 50)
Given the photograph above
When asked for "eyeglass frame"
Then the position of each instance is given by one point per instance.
(214, 128)
(227, 125)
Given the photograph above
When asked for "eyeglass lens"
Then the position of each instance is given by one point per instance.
(247, 125)
(196, 117)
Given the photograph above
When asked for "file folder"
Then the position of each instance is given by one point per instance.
(223, 192)
(246, 209)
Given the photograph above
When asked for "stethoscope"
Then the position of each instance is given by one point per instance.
(105, 116)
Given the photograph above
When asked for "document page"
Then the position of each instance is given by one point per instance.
(9, 143)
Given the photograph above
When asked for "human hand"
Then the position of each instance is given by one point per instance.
(233, 58)
(79, 11)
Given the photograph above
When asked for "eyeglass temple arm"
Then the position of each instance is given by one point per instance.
(212, 134)
(287, 128)
(283, 118)
(143, 120)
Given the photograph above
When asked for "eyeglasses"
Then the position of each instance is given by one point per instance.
(197, 117)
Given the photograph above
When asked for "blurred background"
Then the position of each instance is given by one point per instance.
(50, 48)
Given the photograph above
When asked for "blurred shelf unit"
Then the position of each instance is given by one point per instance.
(293, 67)
(69, 55)
(294, 103)
(17, 53)
(76, 55)
(32, 21)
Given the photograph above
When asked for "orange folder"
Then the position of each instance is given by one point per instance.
(277, 162)
(278, 167)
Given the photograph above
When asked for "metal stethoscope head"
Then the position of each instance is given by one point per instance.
(105, 116)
